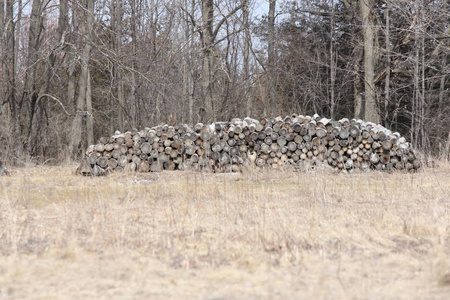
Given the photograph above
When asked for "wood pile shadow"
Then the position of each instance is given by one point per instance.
(294, 142)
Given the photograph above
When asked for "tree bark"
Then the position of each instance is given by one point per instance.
(188, 71)
(37, 114)
(31, 93)
(442, 90)
(191, 78)
(116, 25)
(370, 108)
(387, 83)
(246, 56)
(332, 65)
(134, 111)
(208, 60)
(271, 58)
(423, 136)
(90, 117)
(2, 21)
(18, 28)
(72, 63)
(3, 112)
(357, 86)
(417, 124)
(86, 30)
(9, 79)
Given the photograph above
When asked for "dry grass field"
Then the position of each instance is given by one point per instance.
(255, 235)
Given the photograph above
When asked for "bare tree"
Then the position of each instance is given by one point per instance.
(370, 106)
(3, 112)
(9, 79)
(138, 63)
(116, 28)
(40, 106)
(89, 115)
(188, 69)
(87, 7)
(208, 60)
(134, 45)
(246, 54)
(333, 55)
(209, 40)
(271, 57)
(72, 64)
(31, 89)
(388, 62)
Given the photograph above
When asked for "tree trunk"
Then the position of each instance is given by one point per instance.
(30, 91)
(9, 80)
(4, 114)
(116, 29)
(120, 98)
(72, 65)
(3, 111)
(86, 30)
(370, 108)
(37, 114)
(387, 83)
(90, 117)
(332, 65)
(423, 135)
(271, 58)
(442, 90)
(188, 69)
(419, 89)
(134, 111)
(154, 57)
(17, 30)
(357, 86)
(246, 56)
(208, 60)
(2, 21)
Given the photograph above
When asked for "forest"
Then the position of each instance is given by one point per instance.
(74, 71)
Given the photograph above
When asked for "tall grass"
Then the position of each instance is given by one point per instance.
(259, 234)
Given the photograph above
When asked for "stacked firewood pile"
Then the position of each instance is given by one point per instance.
(298, 142)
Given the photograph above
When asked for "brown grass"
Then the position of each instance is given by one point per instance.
(257, 235)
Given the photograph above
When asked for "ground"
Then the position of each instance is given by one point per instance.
(255, 235)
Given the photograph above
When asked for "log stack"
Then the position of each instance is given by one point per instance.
(298, 142)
